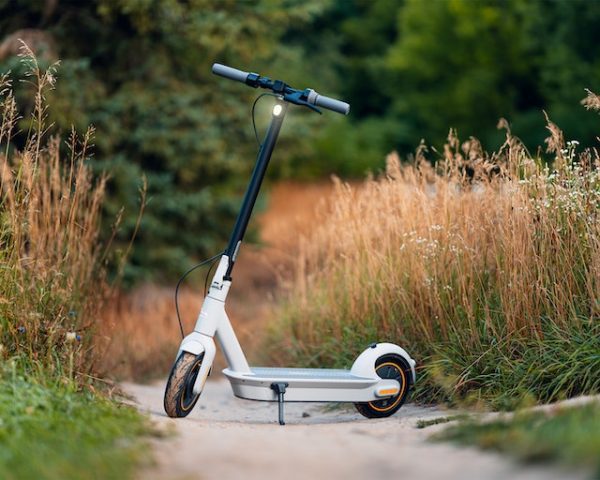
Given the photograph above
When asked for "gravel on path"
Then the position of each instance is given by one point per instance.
(230, 438)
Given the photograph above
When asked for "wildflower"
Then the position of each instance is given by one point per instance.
(21, 329)
(71, 337)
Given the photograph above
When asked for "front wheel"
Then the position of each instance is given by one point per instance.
(179, 394)
(392, 367)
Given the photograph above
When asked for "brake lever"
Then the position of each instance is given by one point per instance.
(296, 98)
(309, 105)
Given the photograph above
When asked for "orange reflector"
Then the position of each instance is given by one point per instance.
(388, 391)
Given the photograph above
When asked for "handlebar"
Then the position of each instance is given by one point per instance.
(306, 97)
(229, 72)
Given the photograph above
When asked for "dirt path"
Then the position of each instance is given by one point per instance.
(228, 438)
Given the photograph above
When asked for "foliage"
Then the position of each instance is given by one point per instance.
(485, 267)
(52, 285)
(465, 64)
(569, 435)
(140, 72)
(52, 431)
(482, 68)
(53, 280)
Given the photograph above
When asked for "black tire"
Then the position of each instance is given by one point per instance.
(393, 367)
(179, 396)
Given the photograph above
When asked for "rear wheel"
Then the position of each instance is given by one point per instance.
(179, 394)
(392, 367)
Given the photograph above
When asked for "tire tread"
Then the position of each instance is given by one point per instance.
(176, 386)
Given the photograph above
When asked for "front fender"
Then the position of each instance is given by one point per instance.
(192, 344)
(364, 365)
(196, 343)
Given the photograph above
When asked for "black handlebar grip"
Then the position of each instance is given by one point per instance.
(230, 73)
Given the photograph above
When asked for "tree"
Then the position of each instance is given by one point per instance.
(140, 72)
(466, 64)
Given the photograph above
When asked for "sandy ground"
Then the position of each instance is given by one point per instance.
(229, 438)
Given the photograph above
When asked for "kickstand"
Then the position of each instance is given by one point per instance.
(279, 389)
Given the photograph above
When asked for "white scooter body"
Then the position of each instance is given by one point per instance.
(359, 384)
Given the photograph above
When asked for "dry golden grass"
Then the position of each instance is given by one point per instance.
(443, 239)
(141, 332)
(53, 281)
(591, 101)
(476, 254)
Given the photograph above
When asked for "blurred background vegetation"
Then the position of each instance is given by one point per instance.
(139, 71)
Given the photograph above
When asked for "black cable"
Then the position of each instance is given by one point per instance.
(212, 259)
(182, 278)
(207, 276)
(253, 106)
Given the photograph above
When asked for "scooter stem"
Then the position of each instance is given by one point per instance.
(262, 162)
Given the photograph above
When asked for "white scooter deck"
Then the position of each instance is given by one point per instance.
(308, 385)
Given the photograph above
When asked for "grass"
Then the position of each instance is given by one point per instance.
(485, 267)
(53, 282)
(54, 422)
(437, 421)
(53, 430)
(570, 436)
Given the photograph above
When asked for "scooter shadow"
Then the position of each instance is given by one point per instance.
(247, 412)
(295, 414)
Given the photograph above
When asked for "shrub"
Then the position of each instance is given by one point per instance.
(52, 281)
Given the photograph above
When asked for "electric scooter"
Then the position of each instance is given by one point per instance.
(380, 378)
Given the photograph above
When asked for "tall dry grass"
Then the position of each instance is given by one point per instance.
(486, 267)
(52, 282)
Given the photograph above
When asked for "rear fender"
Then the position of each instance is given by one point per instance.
(364, 365)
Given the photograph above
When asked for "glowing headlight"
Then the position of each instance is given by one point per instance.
(277, 110)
